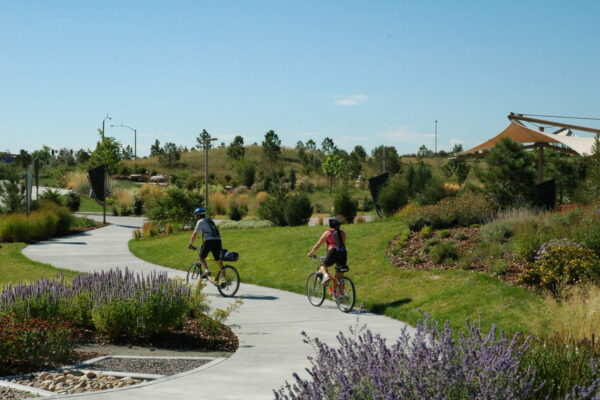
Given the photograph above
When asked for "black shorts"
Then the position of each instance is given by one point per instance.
(339, 258)
(214, 246)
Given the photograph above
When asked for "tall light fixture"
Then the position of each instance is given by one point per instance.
(435, 151)
(134, 137)
(105, 118)
(206, 145)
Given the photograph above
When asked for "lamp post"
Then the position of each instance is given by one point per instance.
(105, 118)
(206, 144)
(134, 137)
(435, 150)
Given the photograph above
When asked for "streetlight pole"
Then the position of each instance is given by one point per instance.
(206, 144)
(435, 151)
(105, 118)
(134, 137)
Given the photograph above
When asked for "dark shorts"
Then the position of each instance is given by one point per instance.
(213, 246)
(339, 258)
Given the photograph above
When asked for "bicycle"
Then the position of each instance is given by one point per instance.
(341, 288)
(227, 280)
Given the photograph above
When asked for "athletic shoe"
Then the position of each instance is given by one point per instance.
(326, 279)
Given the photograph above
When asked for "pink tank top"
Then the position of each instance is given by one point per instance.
(330, 239)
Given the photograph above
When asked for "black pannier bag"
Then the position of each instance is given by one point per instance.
(229, 255)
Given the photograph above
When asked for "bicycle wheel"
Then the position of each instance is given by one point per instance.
(228, 281)
(346, 295)
(193, 274)
(314, 290)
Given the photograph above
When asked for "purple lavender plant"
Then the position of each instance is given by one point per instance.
(158, 302)
(431, 364)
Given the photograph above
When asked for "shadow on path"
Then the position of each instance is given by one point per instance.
(380, 308)
(256, 297)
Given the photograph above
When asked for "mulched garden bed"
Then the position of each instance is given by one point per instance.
(191, 336)
(412, 254)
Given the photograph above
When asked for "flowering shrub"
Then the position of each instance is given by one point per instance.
(562, 261)
(431, 364)
(450, 212)
(117, 303)
(32, 340)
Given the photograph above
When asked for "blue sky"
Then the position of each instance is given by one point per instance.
(360, 72)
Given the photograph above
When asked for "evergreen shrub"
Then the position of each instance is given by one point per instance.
(297, 210)
(345, 206)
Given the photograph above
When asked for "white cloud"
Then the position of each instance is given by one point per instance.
(352, 100)
(405, 135)
(454, 141)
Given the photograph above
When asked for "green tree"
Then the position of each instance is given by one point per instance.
(246, 171)
(236, 149)
(359, 153)
(155, 149)
(271, 147)
(292, 178)
(328, 146)
(107, 152)
(169, 155)
(202, 139)
(589, 189)
(44, 155)
(65, 157)
(12, 191)
(424, 152)
(389, 155)
(127, 153)
(344, 205)
(334, 166)
(567, 171)
(311, 145)
(175, 206)
(510, 176)
(23, 159)
(82, 156)
(297, 210)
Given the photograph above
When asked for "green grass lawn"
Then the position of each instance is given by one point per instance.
(276, 257)
(15, 267)
(89, 205)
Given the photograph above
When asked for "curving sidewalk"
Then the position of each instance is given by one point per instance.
(268, 324)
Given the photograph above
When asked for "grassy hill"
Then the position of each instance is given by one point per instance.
(276, 257)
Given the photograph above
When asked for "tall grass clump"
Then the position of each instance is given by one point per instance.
(575, 312)
(46, 222)
(432, 363)
(151, 193)
(76, 181)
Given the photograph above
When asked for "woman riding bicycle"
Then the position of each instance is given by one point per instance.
(336, 249)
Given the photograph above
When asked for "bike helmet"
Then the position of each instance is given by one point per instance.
(334, 222)
(199, 211)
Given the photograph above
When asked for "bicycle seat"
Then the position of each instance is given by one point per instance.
(343, 268)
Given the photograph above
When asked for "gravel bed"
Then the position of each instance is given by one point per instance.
(7, 393)
(155, 366)
(69, 382)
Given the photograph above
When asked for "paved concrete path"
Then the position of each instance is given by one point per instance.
(268, 324)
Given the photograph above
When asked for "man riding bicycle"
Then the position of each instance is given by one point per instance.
(336, 250)
(211, 238)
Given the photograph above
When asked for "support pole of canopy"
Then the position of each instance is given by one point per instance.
(540, 148)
